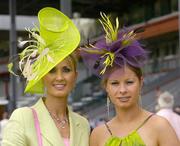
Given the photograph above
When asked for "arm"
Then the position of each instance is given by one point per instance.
(167, 135)
(94, 138)
(99, 136)
(14, 131)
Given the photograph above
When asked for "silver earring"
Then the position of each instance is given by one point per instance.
(140, 101)
(45, 92)
(108, 106)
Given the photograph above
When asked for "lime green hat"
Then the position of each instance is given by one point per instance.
(58, 37)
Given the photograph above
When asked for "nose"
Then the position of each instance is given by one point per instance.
(122, 89)
(59, 75)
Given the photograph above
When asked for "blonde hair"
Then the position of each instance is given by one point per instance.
(73, 58)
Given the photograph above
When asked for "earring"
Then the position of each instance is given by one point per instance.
(45, 92)
(140, 101)
(108, 106)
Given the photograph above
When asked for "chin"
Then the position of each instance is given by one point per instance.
(124, 105)
(59, 93)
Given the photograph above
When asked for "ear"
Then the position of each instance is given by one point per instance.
(76, 74)
(106, 89)
(75, 79)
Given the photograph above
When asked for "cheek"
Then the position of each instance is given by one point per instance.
(71, 79)
(111, 90)
(46, 80)
(136, 91)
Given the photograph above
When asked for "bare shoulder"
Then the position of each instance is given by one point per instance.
(99, 130)
(159, 123)
(165, 133)
(98, 135)
(155, 122)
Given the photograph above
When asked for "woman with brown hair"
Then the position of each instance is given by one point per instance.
(118, 59)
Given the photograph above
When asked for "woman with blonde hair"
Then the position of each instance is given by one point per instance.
(49, 67)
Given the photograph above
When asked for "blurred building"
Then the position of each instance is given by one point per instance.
(159, 19)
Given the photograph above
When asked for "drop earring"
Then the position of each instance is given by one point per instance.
(140, 100)
(45, 92)
(108, 106)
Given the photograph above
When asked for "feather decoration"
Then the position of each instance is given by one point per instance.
(10, 66)
(110, 30)
(33, 55)
(108, 61)
(119, 47)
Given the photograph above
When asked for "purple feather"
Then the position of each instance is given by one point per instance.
(131, 53)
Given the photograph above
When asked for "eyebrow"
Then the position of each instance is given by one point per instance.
(128, 78)
(68, 65)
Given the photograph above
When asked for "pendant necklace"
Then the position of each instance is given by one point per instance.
(61, 122)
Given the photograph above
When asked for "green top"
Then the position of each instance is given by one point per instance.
(132, 139)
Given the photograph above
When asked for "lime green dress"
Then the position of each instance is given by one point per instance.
(132, 139)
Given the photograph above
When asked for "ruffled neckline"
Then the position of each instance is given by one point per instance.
(128, 139)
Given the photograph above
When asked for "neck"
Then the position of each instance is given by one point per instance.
(128, 115)
(57, 106)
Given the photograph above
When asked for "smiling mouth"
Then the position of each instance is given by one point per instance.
(59, 86)
(124, 99)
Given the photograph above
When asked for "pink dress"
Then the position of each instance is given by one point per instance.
(173, 118)
(66, 141)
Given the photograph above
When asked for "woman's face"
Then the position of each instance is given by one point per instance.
(61, 79)
(123, 87)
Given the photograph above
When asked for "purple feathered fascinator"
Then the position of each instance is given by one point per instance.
(118, 48)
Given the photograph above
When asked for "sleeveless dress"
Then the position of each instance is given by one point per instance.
(132, 139)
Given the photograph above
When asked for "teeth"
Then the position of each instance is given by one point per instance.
(59, 86)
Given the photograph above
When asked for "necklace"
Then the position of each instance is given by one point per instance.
(61, 122)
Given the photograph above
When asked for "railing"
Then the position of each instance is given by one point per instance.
(172, 75)
(161, 65)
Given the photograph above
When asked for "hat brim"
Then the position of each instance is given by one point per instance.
(68, 39)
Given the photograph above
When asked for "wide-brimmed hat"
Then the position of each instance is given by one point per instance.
(118, 48)
(56, 38)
